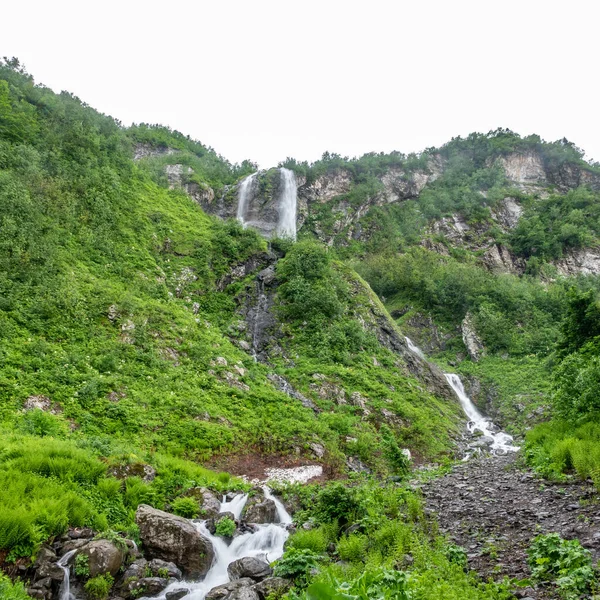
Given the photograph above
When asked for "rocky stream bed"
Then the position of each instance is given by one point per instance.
(493, 509)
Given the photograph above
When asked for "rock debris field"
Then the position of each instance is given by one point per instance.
(493, 510)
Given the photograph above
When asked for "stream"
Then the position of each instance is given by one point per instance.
(491, 436)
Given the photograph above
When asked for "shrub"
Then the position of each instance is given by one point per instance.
(565, 562)
(353, 547)
(12, 591)
(225, 527)
(336, 502)
(315, 540)
(185, 507)
(297, 564)
(82, 565)
(98, 588)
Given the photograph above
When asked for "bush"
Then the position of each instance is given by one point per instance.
(185, 507)
(297, 564)
(315, 540)
(336, 502)
(353, 547)
(98, 588)
(12, 591)
(565, 562)
(225, 527)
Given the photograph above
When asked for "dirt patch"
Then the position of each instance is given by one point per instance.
(255, 465)
(494, 510)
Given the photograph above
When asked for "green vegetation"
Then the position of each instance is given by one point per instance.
(98, 588)
(225, 527)
(185, 507)
(378, 544)
(10, 590)
(564, 562)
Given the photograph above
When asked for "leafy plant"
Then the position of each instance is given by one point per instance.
(185, 507)
(566, 562)
(297, 564)
(98, 588)
(225, 527)
(82, 565)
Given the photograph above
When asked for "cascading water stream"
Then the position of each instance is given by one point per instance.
(235, 505)
(286, 227)
(265, 543)
(65, 587)
(244, 195)
(498, 441)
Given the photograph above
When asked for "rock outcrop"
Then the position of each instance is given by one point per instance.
(174, 539)
(580, 262)
(103, 557)
(259, 509)
(249, 566)
(471, 339)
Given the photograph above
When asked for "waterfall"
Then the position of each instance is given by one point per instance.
(235, 505)
(502, 442)
(498, 441)
(244, 195)
(65, 587)
(283, 515)
(286, 227)
(265, 543)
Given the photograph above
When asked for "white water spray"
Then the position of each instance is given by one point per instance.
(265, 543)
(235, 505)
(65, 587)
(286, 227)
(501, 442)
(244, 195)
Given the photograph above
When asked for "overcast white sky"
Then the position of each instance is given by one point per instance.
(268, 79)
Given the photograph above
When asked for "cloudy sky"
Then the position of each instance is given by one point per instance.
(264, 79)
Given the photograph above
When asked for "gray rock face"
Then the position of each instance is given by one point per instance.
(584, 262)
(241, 589)
(526, 168)
(104, 557)
(508, 213)
(471, 339)
(284, 386)
(249, 566)
(499, 259)
(174, 539)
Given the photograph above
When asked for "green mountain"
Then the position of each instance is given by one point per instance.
(143, 329)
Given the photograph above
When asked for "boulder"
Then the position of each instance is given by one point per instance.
(148, 586)
(260, 510)
(273, 586)
(104, 557)
(249, 566)
(240, 589)
(174, 539)
(177, 594)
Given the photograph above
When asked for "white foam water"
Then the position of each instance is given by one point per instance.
(286, 227)
(244, 194)
(500, 442)
(265, 543)
(64, 592)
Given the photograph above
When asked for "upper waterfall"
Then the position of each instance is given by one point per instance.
(287, 204)
(244, 195)
(267, 202)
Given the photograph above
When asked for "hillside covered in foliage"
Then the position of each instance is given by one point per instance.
(144, 330)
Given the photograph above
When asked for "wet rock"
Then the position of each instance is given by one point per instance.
(241, 589)
(104, 557)
(176, 594)
(249, 566)
(272, 587)
(174, 539)
(260, 510)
